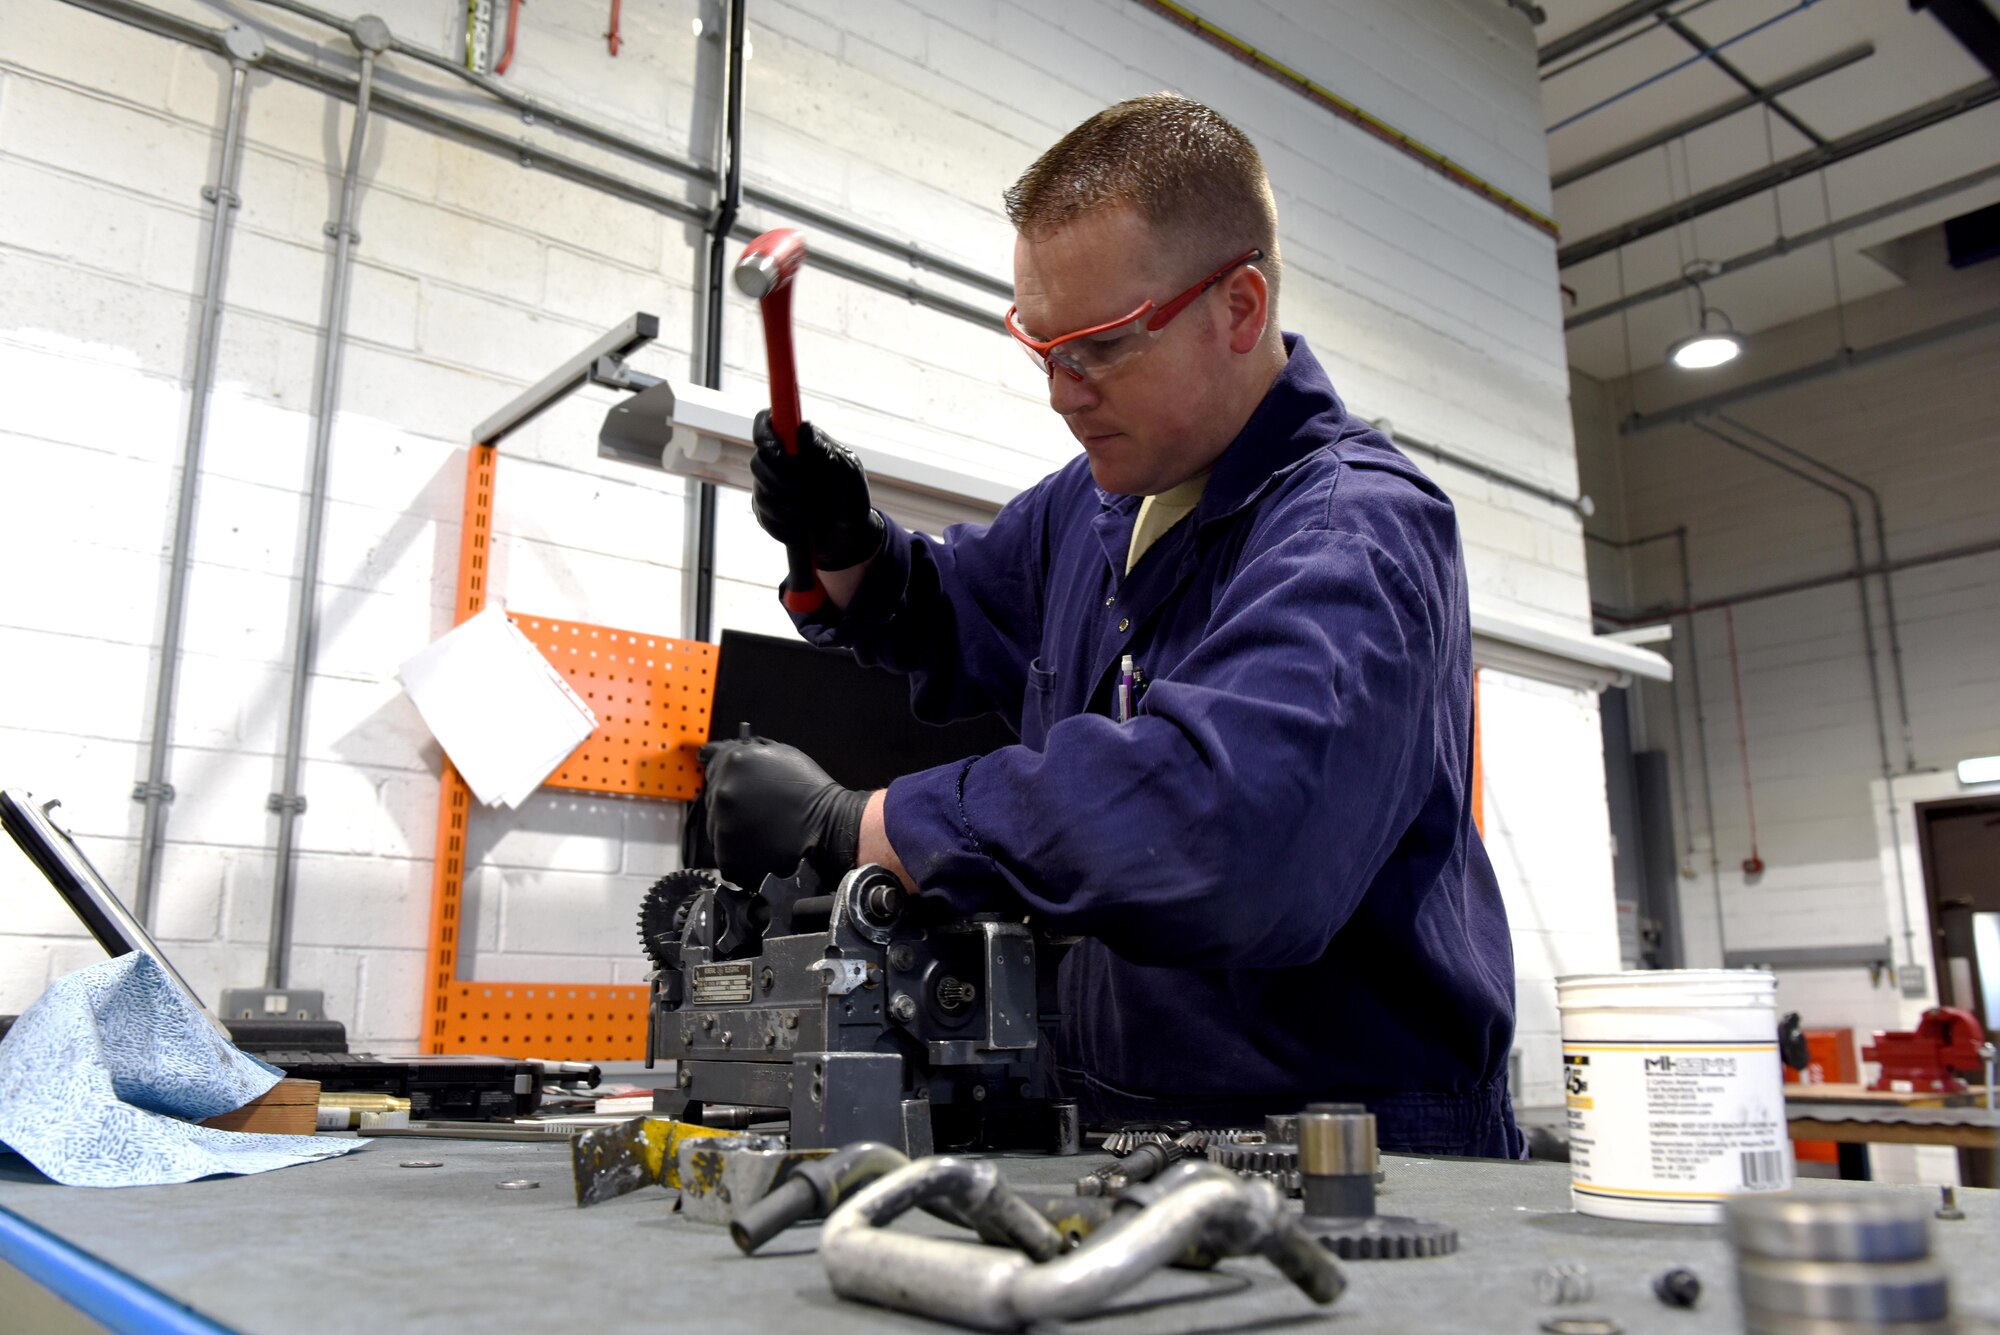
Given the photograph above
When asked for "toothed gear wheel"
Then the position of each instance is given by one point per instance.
(1198, 1142)
(1383, 1237)
(663, 912)
(1125, 1139)
(1277, 1163)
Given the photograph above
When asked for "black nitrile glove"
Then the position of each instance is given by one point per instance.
(769, 805)
(818, 497)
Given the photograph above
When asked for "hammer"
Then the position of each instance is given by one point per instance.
(765, 272)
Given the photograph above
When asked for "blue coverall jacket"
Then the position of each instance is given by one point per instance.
(1273, 863)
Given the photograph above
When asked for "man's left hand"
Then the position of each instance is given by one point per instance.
(769, 806)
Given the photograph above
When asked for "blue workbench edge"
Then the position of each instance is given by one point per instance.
(115, 1300)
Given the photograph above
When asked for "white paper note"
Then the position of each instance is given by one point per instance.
(501, 711)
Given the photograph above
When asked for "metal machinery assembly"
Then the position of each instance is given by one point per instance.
(1193, 1207)
(859, 1014)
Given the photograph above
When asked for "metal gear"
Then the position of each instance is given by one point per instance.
(1125, 1139)
(663, 912)
(1197, 1142)
(1383, 1237)
(1277, 1163)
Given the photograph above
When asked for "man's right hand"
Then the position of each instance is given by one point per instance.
(818, 497)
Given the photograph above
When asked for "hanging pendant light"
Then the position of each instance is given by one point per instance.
(1707, 346)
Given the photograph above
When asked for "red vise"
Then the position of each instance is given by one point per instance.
(1945, 1041)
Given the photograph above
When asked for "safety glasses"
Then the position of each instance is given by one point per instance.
(1092, 352)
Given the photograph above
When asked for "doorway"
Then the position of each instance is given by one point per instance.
(1960, 844)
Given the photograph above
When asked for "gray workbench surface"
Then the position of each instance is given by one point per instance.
(360, 1243)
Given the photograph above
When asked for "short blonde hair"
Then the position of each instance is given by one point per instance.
(1194, 177)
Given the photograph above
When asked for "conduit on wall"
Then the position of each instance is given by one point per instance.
(371, 38)
(244, 48)
(1754, 864)
(729, 192)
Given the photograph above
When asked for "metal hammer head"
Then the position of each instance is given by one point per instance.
(769, 262)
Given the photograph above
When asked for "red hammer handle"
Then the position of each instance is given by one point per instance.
(803, 591)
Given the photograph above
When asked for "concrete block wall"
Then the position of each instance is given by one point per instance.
(1432, 308)
(1922, 429)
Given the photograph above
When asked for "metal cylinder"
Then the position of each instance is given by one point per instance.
(1839, 1228)
(1337, 1160)
(1836, 1264)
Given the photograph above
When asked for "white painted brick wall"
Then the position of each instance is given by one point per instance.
(475, 276)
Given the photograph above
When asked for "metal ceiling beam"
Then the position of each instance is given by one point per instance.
(1742, 80)
(1803, 164)
(1973, 24)
(1785, 245)
(1622, 17)
(1819, 69)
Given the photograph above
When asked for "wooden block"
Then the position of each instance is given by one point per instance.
(289, 1108)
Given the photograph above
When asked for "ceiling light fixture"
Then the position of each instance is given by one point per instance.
(1980, 769)
(1706, 347)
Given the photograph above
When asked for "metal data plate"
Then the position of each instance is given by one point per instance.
(725, 984)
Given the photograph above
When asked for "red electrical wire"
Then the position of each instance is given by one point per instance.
(612, 37)
(513, 19)
(1752, 864)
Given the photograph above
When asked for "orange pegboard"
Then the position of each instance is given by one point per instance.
(554, 1021)
(651, 696)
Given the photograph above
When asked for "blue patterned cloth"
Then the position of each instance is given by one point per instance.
(103, 1079)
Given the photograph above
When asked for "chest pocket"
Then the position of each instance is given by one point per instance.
(1038, 707)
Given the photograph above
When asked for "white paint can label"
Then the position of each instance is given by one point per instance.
(1687, 1121)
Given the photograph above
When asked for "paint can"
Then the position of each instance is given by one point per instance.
(1675, 1092)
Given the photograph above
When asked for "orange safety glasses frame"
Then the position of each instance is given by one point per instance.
(1080, 360)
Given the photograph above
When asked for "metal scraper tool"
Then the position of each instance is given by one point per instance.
(610, 1161)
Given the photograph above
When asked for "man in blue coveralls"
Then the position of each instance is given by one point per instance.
(1262, 829)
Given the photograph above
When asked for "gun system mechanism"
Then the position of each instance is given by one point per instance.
(861, 1013)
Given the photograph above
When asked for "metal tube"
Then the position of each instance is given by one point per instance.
(1701, 746)
(156, 792)
(1864, 140)
(701, 501)
(287, 802)
(990, 1289)
(1786, 245)
(1645, 614)
(1581, 506)
(1703, 51)
(1819, 69)
(1713, 53)
(1882, 555)
(1622, 17)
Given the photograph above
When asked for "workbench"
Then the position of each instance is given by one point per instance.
(1854, 1117)
(360, 1243)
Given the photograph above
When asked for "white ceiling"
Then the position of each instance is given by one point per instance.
(1916, 60)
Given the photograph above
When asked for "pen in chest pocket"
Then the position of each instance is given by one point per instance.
(1127, 693)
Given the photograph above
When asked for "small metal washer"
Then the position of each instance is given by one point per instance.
(1582, 1325)
(421, 1163)
(517, 1184)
